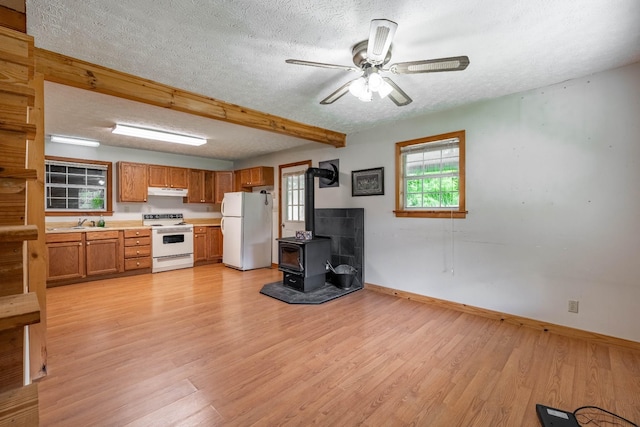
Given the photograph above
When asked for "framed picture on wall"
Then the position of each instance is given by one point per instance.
(367, 182)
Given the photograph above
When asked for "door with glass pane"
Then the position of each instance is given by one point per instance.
(292, 198)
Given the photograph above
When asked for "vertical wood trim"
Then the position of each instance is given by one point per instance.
(36, 249)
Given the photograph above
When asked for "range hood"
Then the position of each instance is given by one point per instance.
(172, 192)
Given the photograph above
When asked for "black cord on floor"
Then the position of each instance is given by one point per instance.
(591, 420)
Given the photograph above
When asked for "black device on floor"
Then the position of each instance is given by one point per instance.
(551, 417)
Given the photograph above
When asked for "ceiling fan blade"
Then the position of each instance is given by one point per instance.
(380, 36)
(322, 65)
(337, 94)
(397, 95)
(455, 63)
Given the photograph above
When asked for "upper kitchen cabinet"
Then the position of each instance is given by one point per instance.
(168, 177)
(254, 177)
(132, 182)
(224, 184)
(201, 186)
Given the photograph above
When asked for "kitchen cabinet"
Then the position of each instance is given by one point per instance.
(104, 252)
(207, 244)
(223, 184)
(80, 256)
(254, 177)
(65, 255)
(215, 244)
(201, 186)
(132, 182)
(137, 249)
(200, 243)
(167, 176)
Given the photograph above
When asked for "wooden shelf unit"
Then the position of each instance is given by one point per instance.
(18, 233)
(19, 310)
(19, 407)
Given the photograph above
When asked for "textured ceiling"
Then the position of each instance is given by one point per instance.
(235, 51)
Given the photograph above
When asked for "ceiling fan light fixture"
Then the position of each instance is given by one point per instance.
(74, 141)
(385, 89)
(375, 82)
(158, 135)
(358, 87)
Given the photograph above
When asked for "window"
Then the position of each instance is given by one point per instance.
(75, 186)
(294, 196)
(430, 177)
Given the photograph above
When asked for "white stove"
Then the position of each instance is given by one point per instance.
(171, 241)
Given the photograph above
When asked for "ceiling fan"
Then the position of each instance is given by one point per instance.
(371, 56)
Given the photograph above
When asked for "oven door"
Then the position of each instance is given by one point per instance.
(168, 242)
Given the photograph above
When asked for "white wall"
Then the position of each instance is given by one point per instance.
(553, 201)
(155, 204)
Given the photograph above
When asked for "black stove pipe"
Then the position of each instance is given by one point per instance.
(309, 193)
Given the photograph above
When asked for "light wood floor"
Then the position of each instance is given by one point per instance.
(203, 347)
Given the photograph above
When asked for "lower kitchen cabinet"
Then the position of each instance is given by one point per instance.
(104, 252)
(215, 244)
(137, 249)
(200, 244)
(65, 254)
(207, 244)
(83, 256)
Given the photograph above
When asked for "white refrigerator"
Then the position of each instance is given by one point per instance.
(247, 230)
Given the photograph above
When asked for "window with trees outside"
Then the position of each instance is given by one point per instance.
(76, 186)
(430, 177)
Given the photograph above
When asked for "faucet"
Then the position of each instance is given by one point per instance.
(81, 221)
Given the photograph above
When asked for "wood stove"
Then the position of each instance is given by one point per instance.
(303, 262)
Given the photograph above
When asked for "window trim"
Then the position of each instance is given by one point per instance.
(280, 197)
(458, 212)
(300, 205)
(109, 198)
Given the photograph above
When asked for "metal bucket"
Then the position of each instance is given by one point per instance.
(343, 276)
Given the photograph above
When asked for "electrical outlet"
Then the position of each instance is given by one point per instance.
(573, 306)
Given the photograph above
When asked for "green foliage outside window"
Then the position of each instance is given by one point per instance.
(432, 180)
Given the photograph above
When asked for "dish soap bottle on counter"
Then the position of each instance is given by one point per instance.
(101, 221)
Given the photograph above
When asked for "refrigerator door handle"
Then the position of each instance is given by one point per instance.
(222, 225)
(222, 207)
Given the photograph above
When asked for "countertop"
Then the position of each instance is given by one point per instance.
(66, 227)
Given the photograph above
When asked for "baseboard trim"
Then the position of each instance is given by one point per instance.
(509, 318)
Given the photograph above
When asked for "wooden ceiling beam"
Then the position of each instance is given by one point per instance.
(69, 71)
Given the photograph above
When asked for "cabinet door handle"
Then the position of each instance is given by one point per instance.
(137, 252)
(80, 244)
(88, 243)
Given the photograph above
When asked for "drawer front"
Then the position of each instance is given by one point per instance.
(142, 232)
(137, 251)
(102, 235)
(137, 263)
(199, 230)
(63, 237)
(137, 241)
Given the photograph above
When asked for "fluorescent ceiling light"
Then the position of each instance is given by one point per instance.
(74, 141)
(158, 135)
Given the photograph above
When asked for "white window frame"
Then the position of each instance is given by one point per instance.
(294, 196)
